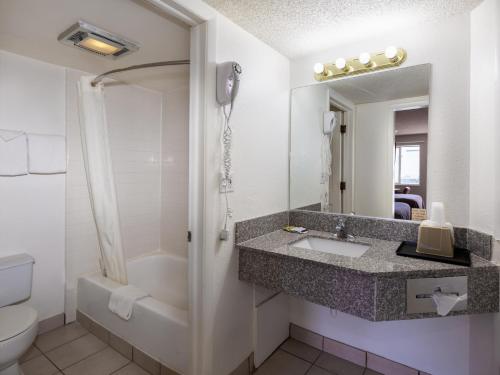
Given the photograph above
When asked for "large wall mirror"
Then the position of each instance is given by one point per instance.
(359, 144)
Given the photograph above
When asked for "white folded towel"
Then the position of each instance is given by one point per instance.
(13, 153)
(47, 154)
(122, 300)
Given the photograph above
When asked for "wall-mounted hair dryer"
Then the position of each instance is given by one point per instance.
(329, 122)
(228, 82)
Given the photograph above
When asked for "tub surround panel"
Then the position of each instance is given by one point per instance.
(372, 286)
(388, 229)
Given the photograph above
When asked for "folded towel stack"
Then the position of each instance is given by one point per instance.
(47, 154)
(22, 153)
(122, 300)
(13, 153)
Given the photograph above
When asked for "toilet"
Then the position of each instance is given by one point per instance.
(18, 323)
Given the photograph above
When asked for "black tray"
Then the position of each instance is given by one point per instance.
(409, 249)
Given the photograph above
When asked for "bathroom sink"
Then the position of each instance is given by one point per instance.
(326, 245)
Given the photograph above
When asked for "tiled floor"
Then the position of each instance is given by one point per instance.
(297, 358)
(73, 350)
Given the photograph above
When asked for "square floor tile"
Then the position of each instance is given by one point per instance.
(283, 363)
(39, 366)
(371, 372)
(301, 350)
(317, 371)
(31, 353)
(131, 369)
(74, 351)
(59, 336)
(104, 362)
(338, 366)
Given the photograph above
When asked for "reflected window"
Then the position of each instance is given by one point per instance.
(407, 165)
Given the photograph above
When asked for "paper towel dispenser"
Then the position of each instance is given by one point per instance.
(420, 292)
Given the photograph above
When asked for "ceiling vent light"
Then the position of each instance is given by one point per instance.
(93, 39)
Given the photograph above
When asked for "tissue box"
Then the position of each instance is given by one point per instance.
(435, 240)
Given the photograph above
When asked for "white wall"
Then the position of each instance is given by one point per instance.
(482, 115)
(446, 46)
(485, 135)
(484, 98)
(260, 161)
(33, 207)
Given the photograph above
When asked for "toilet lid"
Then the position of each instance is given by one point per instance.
(15, 320)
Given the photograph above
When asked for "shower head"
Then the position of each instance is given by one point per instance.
(98, 41)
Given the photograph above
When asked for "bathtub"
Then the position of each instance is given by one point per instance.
(159, 325)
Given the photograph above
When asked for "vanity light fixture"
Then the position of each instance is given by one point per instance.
(319, 68)
(365, 59)
(391, 53)
(364, 63)
(341, 64)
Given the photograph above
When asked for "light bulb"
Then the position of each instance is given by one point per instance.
(391, 53)
(340, 63)
(319, 68)
(365, 58)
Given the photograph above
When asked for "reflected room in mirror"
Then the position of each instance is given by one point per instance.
(359, 144)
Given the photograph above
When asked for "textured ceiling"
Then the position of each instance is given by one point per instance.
(300, 27)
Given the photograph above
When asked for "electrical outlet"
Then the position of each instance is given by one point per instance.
(222, 186)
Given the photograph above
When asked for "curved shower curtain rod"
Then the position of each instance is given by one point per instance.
(100, 77)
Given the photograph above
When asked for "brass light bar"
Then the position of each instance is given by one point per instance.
(365, 63)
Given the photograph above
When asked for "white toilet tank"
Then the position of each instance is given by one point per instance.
(16, 272)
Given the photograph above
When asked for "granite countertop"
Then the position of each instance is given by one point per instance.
(372, 286)
(380, 259)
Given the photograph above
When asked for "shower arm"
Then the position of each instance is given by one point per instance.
(100, 77)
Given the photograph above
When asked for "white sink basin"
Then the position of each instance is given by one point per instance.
(327, 245)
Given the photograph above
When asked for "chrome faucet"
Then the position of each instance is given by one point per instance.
(341, 232)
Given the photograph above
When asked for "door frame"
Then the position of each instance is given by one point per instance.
(201, 18)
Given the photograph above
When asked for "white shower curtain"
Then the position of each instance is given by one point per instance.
(100, 181)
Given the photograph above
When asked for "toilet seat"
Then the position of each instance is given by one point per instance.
(14, 320)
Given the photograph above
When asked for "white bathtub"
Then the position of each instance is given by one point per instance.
(159, 324)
